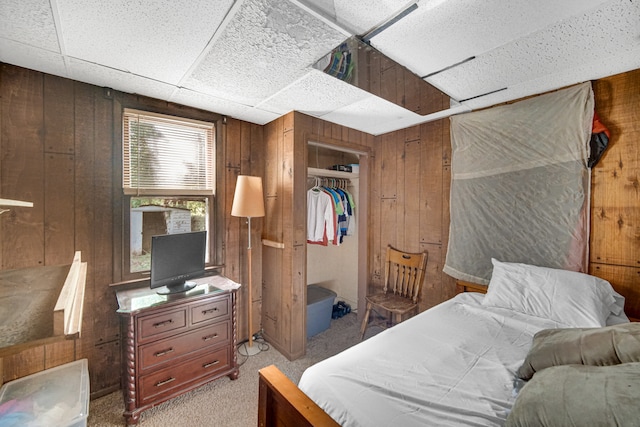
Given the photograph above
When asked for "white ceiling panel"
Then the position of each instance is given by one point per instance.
(316, 94)
(607, 66)
(159, 39)
(580, 41)
(116, 79)
(374, 114)
(265, 47)
(430, 39)
(32, 57)
(29, 21)
(223, 106)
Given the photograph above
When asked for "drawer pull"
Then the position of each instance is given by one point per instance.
(211, 310)
(163, 323)
(163, 352)
(210, 364)
(167, 381)
(210, 337)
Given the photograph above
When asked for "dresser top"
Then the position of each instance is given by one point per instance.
(134, 299)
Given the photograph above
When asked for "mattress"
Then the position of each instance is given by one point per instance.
(451, 365)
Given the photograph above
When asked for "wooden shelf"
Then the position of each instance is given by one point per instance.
(9, 202)
(331, 173)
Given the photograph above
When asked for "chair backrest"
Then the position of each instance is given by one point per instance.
(404, 273)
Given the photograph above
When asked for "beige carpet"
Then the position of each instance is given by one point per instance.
(226, 403)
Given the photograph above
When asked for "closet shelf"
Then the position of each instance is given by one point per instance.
(328, 173)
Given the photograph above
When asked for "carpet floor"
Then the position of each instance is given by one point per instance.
(226, 403)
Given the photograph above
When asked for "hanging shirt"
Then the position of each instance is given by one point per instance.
(320, 216)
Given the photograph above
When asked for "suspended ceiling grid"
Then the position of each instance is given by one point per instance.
(253, 59)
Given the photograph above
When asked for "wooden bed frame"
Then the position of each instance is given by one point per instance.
(282, 404)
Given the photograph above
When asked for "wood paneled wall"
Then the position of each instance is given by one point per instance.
(57, 149)
(410, 203)
(60, 149)
(243, 154)
(615, 189)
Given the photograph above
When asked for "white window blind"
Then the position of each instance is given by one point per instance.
(166, 155)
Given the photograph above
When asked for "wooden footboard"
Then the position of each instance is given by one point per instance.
(282, 404)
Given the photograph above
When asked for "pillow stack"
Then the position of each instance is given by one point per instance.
(581, 377)
(585, 373)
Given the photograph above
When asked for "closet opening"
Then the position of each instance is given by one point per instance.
(340, 265)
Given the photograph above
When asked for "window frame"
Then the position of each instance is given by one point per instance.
(122, 201)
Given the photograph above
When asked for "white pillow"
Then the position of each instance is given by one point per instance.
(570, 298)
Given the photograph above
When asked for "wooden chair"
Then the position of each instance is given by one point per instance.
(403, 277)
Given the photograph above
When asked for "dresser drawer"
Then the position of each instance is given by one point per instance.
(174, 347)
(165, 381)
(155, 325)
(210, 311)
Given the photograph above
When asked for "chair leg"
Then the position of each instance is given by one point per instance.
(398, 317)
(365, 321)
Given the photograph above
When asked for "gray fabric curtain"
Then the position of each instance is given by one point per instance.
(520, 185)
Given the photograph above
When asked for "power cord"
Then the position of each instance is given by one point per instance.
(243, 348)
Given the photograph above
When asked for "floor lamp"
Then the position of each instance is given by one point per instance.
(248, 202)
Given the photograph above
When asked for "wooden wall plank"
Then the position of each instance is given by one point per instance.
(625, 281)
(59, 231)
(59, 353)
(233, 143)
(22, 173)
(387, 161)
(106, 324)
(409, 198)
(374, 226)
(84, 191)
(59, 110)
(431, 207)
(615, 219)
(26, 362)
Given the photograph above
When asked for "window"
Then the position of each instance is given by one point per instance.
(167, 180)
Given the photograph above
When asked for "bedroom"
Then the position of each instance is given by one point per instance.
(69, 176)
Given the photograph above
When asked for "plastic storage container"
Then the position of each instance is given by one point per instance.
(319, 307)
(54, 397)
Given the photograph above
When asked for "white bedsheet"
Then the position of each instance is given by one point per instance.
(453, 365)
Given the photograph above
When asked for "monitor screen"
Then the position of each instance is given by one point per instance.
(176, 258)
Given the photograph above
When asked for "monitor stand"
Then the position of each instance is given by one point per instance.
(176, 289)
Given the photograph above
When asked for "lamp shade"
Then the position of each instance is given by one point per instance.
(248, 200)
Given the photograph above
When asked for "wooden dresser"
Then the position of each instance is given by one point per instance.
(173, 344)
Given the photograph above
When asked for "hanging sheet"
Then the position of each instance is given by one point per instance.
(520, 185)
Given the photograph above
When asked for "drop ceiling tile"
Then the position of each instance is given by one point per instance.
(126, 82)
(434, 37)
(581, 42)
(158, 39)
(371, 114)
(316, 94)
(223, 106)
(29, 22)
(31, 57)
(606, 66)
(266, 46)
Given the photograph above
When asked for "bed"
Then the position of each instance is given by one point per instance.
(461, 362)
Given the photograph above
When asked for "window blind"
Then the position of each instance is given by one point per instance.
(166, 155)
